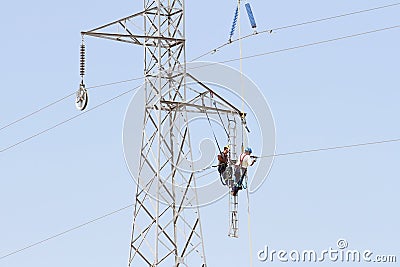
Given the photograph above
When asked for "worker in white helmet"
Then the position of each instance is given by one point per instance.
(245, 160)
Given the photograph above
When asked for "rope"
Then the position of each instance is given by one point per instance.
(206, 168)
(223, 125)
(241, 71)
(242, 139)
(241, 56)
(242, 89)
(222, 179)
(244, 182)
(249, 228)
(212, 129)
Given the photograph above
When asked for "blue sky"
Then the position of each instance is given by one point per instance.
(339, 93)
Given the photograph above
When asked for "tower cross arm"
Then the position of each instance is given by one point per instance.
(200, 108)
(136, 39)
(121, 30)
(209, 90)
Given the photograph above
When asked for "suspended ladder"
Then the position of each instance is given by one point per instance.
(232, 127)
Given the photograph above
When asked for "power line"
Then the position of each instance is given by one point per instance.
(66, 231)
(331, 148)
(63, 98)
(36, 111)
(210, 52)
(306, 45)
(76, 227)
(126, 207)
(209, 64)
(67, 120)
(292, 26)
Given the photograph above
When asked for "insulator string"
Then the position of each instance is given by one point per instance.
(82, 59)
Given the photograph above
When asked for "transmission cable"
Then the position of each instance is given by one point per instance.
(37, 111)
(68, 120)
(66, 231)
(207, 53)
(330, 148)
(214, 63)
(76, 227)
(63, 98)
(126, 207)
(292, 26)
(298, 47)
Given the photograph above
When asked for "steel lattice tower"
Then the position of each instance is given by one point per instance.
(164, 232)
(166, 227)
(166, 224)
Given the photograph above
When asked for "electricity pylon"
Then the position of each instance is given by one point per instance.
(166, 224)
(166, 221)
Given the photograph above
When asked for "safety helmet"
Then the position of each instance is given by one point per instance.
(248, 149)
(226, 147)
